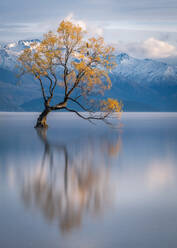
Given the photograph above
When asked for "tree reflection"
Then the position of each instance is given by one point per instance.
(83, 187)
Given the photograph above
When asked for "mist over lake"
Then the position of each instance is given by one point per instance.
(81, 185)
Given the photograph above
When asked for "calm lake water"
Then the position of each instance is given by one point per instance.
(78, 185)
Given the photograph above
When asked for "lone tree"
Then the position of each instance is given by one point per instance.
(76, 65)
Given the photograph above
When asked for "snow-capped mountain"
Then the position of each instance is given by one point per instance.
(142, 71)
(142, 84)
(145, 71)
(9, 52)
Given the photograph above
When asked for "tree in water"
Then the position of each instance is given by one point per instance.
(78, 66)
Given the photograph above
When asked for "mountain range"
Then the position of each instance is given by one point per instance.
(141, 84)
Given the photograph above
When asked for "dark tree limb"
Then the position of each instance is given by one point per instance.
(78, 103)
(51, 84)
(89, 117)
(42, 89)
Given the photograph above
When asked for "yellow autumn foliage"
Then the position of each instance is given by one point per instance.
(111, 105)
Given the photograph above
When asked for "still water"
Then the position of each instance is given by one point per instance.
(79, 185)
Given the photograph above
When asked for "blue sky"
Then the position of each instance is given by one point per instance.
(144, 28)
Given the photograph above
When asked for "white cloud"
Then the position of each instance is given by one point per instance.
(92, 29)
(150, 48)
(158, 49)
(71, 18)
(36, 30)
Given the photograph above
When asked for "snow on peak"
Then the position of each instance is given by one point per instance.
(143, 71)
(122, 57)
(170, 72)
(10, 45)
(11, 50)
(27, 43)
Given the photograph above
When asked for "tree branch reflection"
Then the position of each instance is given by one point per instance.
(67, 194)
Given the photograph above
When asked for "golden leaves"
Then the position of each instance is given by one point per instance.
(111, 105)
(69, 31)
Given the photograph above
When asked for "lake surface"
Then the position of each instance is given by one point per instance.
(79, 185)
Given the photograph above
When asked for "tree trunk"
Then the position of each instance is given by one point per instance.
(42, 119)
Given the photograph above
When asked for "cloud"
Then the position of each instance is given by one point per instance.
(29, 30)
(150, 48)
(140, 15)
(158, 49)
(92, 29)
(71, 18)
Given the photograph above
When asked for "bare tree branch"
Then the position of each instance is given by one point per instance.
(42, 88)
(51, 84)
(55, 83)
(89, 117)
(78, 103)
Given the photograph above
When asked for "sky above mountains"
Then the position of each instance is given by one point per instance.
(143, 28)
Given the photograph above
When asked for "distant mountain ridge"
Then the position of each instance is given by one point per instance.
(10, 51)
(142, 84)
(145, 71)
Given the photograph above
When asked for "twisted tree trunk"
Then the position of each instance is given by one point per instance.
(42, 119)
